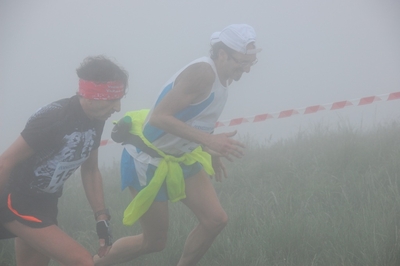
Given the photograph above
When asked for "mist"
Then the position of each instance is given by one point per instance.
(314, 52)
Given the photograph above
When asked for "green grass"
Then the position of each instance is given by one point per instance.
(324, 197)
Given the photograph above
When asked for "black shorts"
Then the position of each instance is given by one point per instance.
(32, 211)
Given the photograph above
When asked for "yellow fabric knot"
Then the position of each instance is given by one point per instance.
(168, 170)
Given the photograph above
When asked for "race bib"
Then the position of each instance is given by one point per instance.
(62, 172)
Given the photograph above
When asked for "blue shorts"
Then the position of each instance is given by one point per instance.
(130, 178)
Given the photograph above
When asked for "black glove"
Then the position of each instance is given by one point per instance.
(104, 231)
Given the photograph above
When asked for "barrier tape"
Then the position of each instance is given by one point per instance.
(307, 110)
(311, 109)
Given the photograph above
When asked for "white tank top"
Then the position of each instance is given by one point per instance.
(202, 115)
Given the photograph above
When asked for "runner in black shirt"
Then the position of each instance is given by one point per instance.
(58, 139)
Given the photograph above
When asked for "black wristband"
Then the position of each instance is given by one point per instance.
(104, 211)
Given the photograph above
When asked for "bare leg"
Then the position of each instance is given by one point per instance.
(154, 224)
(26, 255)
(203, 201)
(35, 246)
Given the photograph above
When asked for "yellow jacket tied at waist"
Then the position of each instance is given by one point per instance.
(168, 170)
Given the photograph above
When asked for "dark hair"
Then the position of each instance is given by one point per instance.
(101, 69)
(218, 46)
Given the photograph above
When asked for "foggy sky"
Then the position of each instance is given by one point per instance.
(314, 52)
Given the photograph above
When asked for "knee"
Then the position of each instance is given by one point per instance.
(82, 260)
(216, 223)
(83, 257)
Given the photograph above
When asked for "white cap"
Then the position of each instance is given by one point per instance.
(236, 37)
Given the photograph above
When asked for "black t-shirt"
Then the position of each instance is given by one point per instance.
(62, 137)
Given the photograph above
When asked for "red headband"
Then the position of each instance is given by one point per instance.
(111, 90)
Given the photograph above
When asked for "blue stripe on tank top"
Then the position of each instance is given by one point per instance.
(164, 92)
(152, 133)
(149, 131)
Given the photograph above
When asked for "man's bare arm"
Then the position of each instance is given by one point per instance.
(192, 85)
(17, 152)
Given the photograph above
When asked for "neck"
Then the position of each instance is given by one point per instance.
(222, 75)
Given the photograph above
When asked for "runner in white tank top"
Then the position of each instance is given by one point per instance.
(183, 118)
(202, 115)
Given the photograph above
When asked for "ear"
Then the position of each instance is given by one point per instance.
(85, 103)
(222, 54)
(89, 101)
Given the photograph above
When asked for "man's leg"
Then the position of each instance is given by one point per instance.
(203, 201)
(26, 255)
(154, 225)
(34, 246)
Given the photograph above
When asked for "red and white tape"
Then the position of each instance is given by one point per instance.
(306, 110)
(310, 109)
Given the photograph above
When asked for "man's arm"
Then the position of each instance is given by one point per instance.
(16, 153)
(93, 185)
(192, 86)
(92, 182)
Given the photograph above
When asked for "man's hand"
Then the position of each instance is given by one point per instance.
(225, 146)
(219, 168)
(105, 238)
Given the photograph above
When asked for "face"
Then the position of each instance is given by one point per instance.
(240, 63)
(103, 109)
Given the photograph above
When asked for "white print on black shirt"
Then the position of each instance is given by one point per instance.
(56, 170)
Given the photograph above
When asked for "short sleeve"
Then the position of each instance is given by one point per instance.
(39, 130)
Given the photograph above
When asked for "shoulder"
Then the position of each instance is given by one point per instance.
(48, 112)
(201, 70)
(200, 73)
(41, 126)
(50, 116)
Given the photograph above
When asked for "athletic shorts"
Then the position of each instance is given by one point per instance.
(34, 212)
(129, 175)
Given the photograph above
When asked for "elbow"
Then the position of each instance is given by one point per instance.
(164, 122)
(155, 121)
